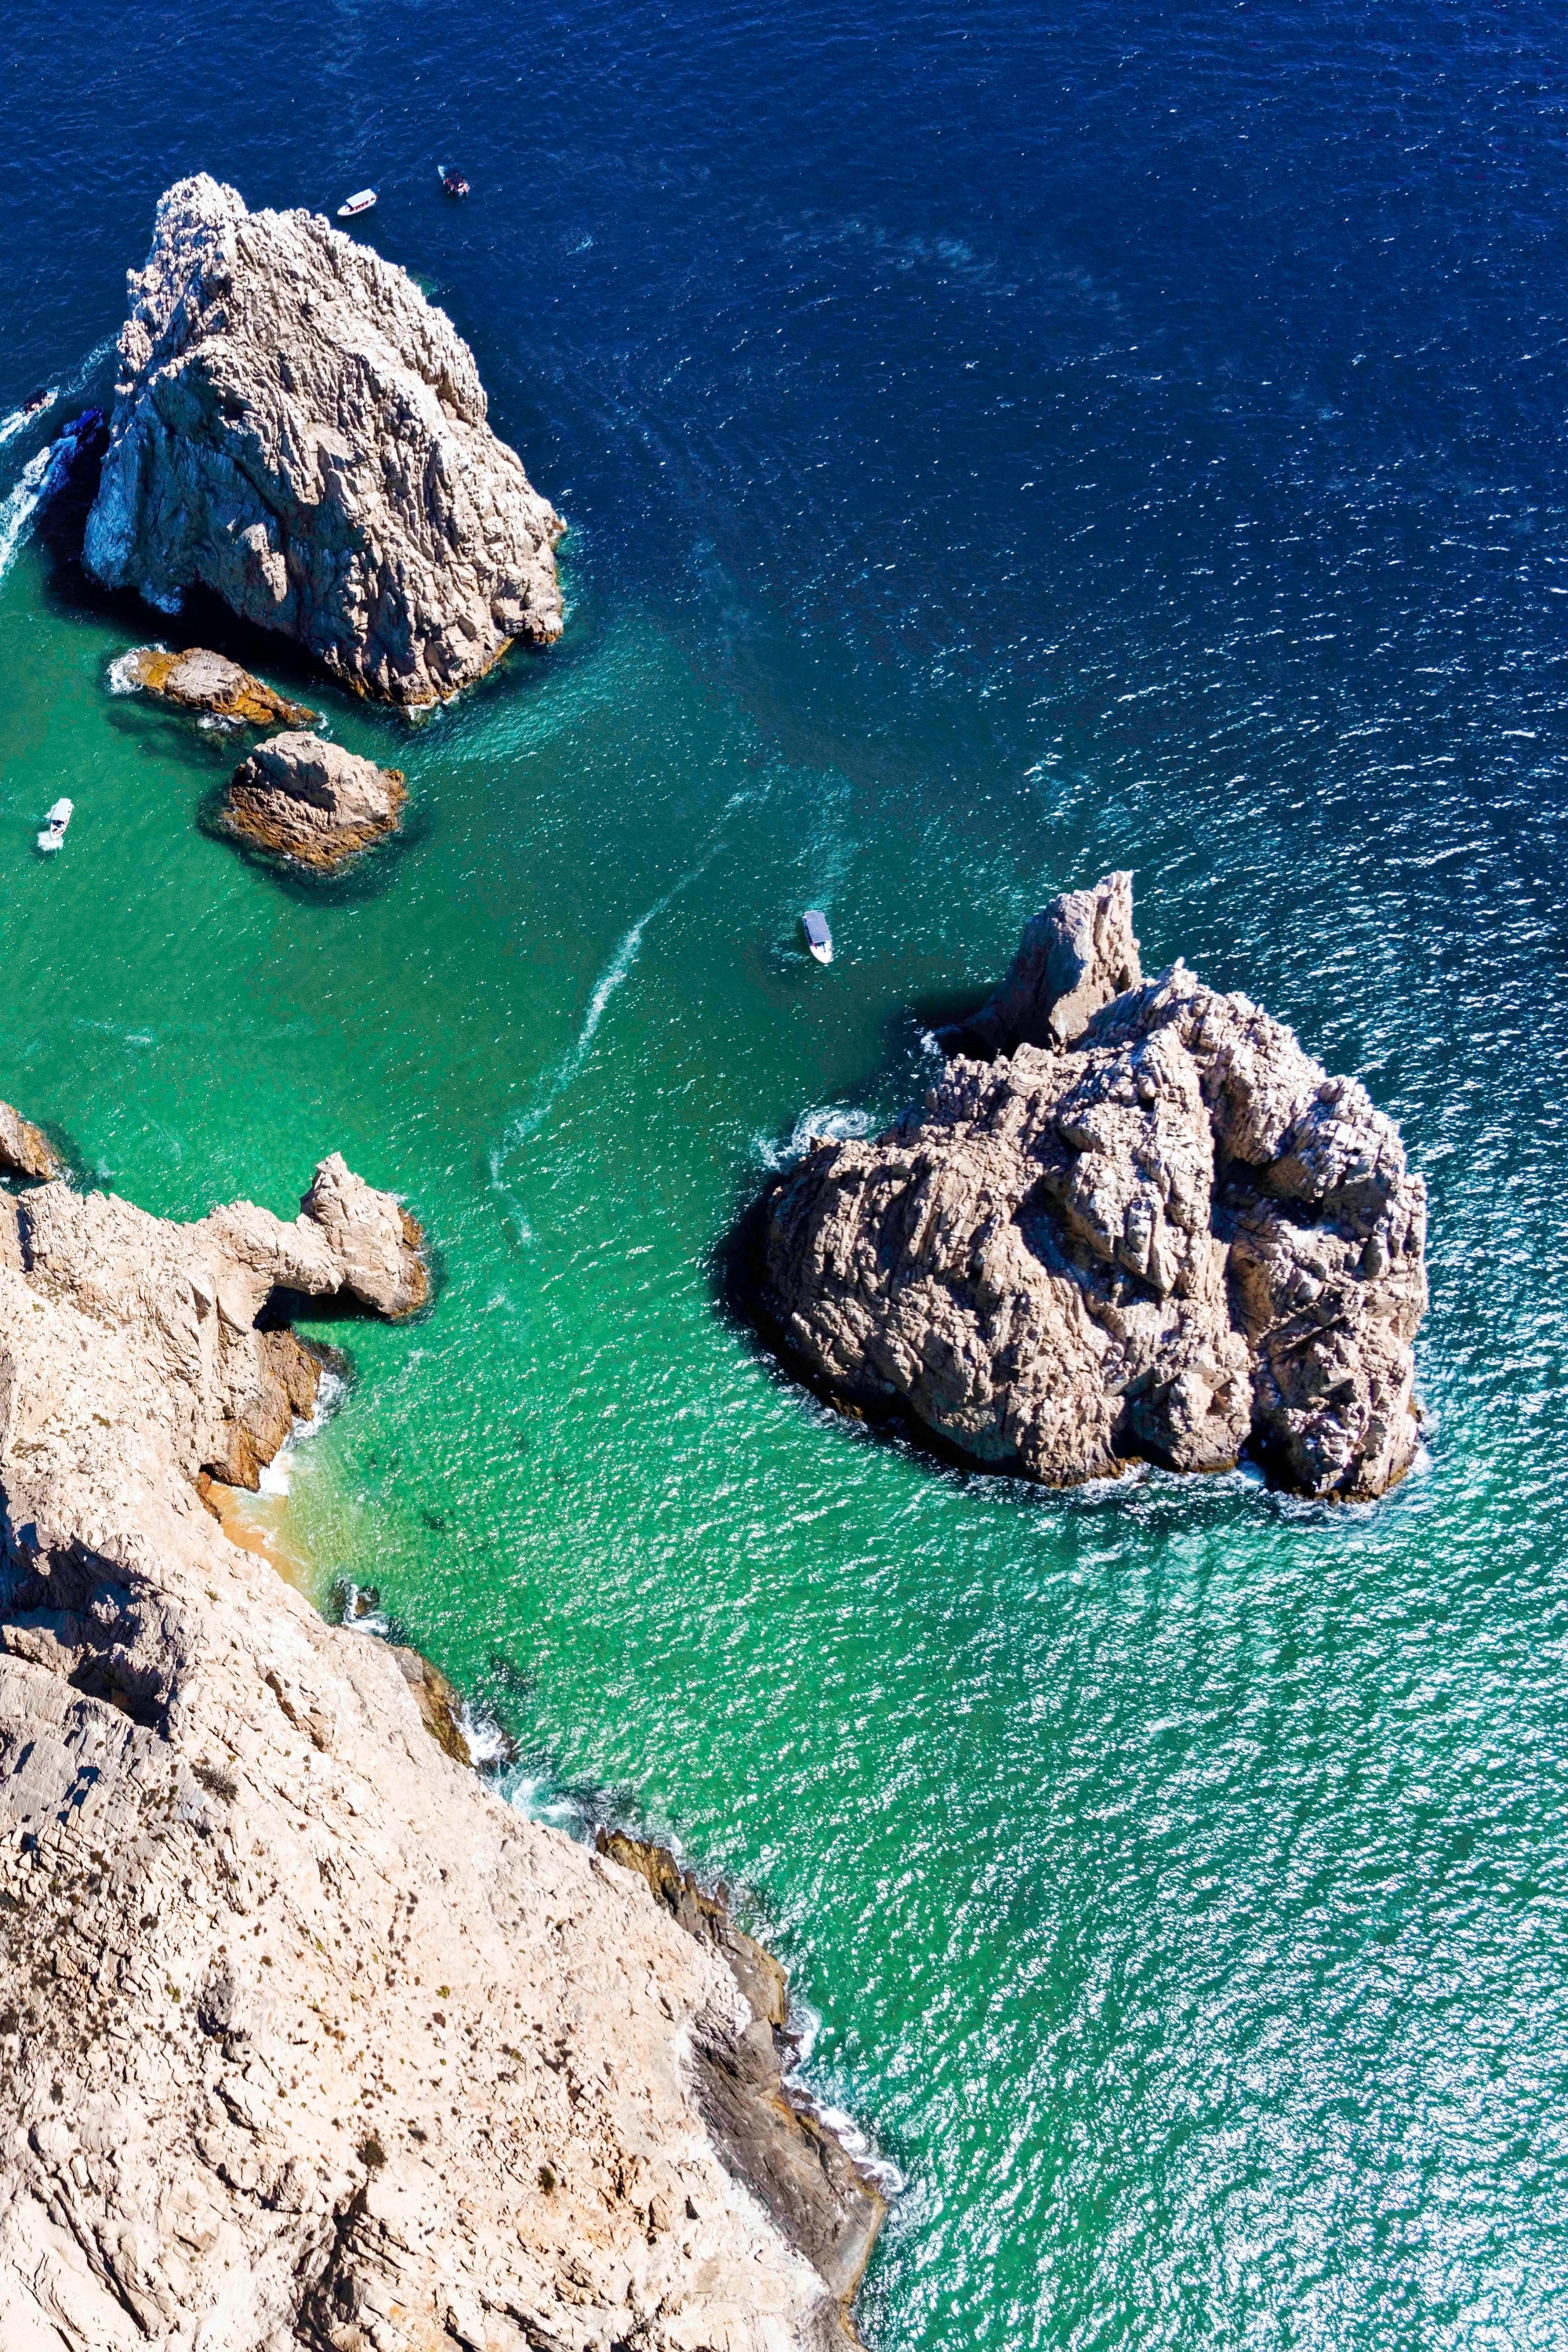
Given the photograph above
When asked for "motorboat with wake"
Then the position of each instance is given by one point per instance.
(55, 825)
(362, 201)
(818, 938)
(453, 181)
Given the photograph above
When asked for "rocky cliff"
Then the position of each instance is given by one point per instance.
(306, 2039)
(297, 429)
(1159, 1229)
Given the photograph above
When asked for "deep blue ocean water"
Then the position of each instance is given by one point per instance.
(999, 444)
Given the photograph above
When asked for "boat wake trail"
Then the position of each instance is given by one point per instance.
(19, 417)
(555, 1082)
(40, 405)
(32, 486)
(20, 505)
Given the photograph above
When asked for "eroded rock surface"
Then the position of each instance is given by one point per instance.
(207, 683)
(1075, 955)
(1175, 1238)
(298, 430)
(309, 2041)
(24, 1150)
(308, 799)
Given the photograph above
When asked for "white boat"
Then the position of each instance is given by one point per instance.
(818, 938)
(55, 825)
(360, 202)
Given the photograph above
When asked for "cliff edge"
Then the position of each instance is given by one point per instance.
(297, 429)
(307, 2039)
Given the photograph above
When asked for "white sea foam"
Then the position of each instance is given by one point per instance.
(19, 506)
(279, 1473)
(886, 2175)
(824, 1123)
(355, 1620)
(486, 1742)
(20, 419)
(121, 677)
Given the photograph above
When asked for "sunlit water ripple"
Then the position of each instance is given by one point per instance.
(998, 445)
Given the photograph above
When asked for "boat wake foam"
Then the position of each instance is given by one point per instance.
(20, 505)
(554, 1084)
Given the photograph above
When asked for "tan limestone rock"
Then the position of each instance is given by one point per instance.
(308, 799)
(206, 683)
(297, 429)
(1164, 1233)
(308, 2039)
(24, 1150)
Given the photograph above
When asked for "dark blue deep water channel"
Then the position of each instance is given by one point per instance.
(999, 443)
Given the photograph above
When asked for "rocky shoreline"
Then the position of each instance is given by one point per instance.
(307, 2038)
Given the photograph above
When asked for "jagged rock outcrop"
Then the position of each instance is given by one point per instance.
(24, 1150)
(806, 2179)
(309, 2041)
(207, 683)
(1175, 1237)
(1075, 955)
(297, 429)
(307, 799)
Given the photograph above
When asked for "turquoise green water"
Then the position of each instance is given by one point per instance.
(1000, 444)
(1133, 1846)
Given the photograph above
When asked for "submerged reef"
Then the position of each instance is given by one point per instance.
(298, 430)
(1151, 1226)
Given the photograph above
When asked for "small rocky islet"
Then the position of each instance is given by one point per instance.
(1134, 1220)
(298, 795)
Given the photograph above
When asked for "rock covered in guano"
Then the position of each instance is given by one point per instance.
(297, 429)
(307, 2038)
(311, 800)
(206, 683)
(1159, 1229)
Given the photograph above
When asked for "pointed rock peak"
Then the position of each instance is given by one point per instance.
(1075, 956)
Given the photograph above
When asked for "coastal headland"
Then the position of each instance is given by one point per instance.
(307, 2037)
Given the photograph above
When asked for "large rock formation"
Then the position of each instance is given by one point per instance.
(298, 430)
(206, 683)
(311, 800)
(308, 2040)
(1162, 1231)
